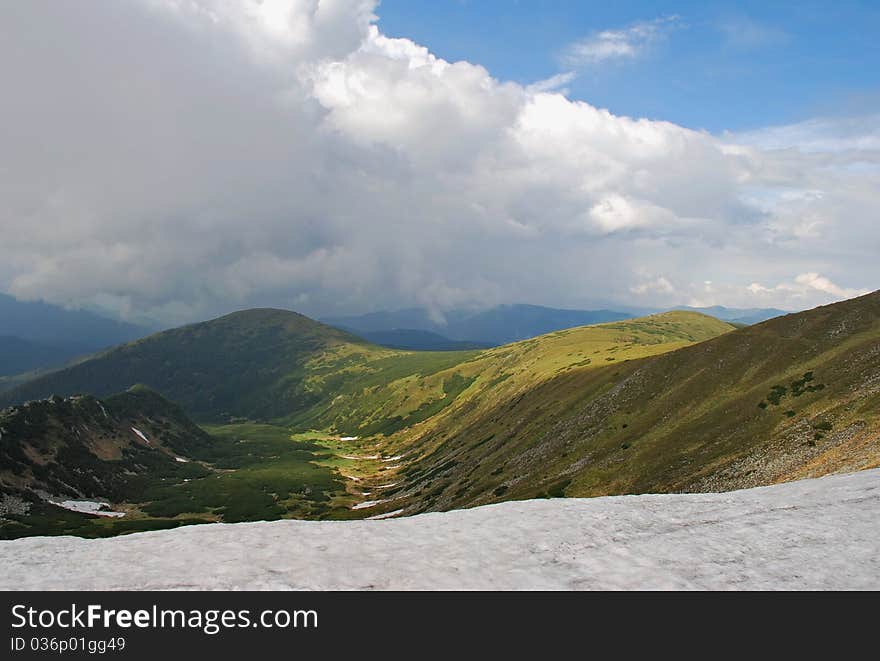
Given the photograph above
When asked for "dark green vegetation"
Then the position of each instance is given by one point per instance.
(259, 474)
(84, 448)
(793, 397)
(257, 365)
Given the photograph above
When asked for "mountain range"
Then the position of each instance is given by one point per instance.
(503, 324)
(305, 420)
(498, 325)
(39, 336)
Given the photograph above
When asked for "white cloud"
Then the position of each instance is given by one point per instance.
(804, 286)
(625, 43)
(180, 159)
(555, 83)
(658, 285)
(744, 32)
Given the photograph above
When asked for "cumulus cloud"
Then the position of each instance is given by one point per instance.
(622, 44)
(173, 159)
(804, 285)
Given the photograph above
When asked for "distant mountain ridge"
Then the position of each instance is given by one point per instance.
(504, 324)
(747, 316)
(18, 355)
(418, 340)
(40, 336)
(52, 325)
(495, 326)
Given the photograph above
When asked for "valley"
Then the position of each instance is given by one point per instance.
(300, 420)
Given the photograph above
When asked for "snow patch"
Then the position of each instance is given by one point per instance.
(349, 438)
(87, 507)
(181, 460)
(368, 503)
(816, 534)
(386, 515)
(141, 434)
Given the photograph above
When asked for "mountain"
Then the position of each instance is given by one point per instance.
(255, 364)
(672, 402)
(134, 461)
(418, 340)
(496, 326)
(383, 391)
(792, 397)
(745, 316)
(73, 331)
(57, 450)
(240, 364)
(18, 356)
(275, 365)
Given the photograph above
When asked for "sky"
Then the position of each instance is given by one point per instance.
(166, 161)
(719, 66)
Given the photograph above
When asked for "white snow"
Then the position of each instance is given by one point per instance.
(394, 458)
(181, 460)
(368, 503)
(141, 434)
(349, 438)
(386, 515)
(86, 507)
(813, 534)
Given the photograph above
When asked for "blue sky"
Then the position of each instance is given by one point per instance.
(711, 65)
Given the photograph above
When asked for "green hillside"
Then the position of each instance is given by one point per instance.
(256, 364)
(792, 397)
(273, 365)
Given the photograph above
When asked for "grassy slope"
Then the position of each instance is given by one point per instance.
(459, 398)
(256, 364)
(402, 390)
(275, 365)
(707, 417)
